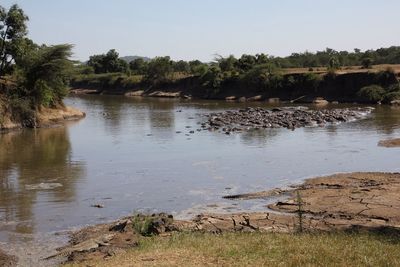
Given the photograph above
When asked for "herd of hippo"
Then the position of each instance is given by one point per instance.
(291, 118)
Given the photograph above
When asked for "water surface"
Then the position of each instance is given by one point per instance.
(135, 155)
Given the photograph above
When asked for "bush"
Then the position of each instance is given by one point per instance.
(142, 225)
(392, 93)
(22, 110)
(371, 93)
(387, 98)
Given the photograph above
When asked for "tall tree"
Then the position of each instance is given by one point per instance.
(46, 74)
(109, 62)
(13, 29)
(159, 69)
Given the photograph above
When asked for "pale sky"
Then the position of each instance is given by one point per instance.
(199, 29)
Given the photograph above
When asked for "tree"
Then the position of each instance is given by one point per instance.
(159, 69)
(246, 62)
(181, 66)
(12, 30)
(106, 63)
(198, 68)
(138, 66)
(212, 80)
(366, 63)
(45, 75)
(262, 59)
(334, 64)
(226, 64)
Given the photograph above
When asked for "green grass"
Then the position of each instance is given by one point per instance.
(262, 249)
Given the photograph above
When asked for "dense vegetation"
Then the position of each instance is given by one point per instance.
(31, 75)
(259, 74)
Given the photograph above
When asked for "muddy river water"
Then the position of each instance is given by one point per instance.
(139, 155)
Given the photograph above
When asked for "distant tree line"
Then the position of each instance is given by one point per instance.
(110, 62)
(259, 71)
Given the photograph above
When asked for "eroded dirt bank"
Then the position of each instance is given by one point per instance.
(45, 117)
(350, 201)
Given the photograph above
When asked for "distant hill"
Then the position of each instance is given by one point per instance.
(131, 58)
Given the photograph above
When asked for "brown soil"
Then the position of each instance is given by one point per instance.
(351, 201)
(49, 116)
(7, 260)
(45, 117)
(390, 143)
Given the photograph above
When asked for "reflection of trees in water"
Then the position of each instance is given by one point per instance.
(29, 158)
(387, 119)
(162, 117)
(258, 138)
(117, 111)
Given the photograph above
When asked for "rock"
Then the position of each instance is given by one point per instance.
(230, 98)
(255, 98)
(395, 102)
(258, 118)
(165, 94)
(7, 260)
(99, 206)
(320, 101)
(135, 93)
(273, 100)
(242, 99)
(120, 226)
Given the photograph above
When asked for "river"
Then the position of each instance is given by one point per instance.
(138, 155)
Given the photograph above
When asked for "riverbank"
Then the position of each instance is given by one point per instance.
(325, 208)
(41, 118)
(259, 249)
(299, 87)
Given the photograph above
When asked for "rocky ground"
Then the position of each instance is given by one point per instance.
(291, 118)
(352, 201)
(7, 260)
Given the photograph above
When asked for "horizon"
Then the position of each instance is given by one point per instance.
(201, 30)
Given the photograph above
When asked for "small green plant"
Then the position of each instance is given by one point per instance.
(299, 212)
(142, 224)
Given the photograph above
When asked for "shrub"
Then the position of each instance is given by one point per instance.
(371, 93)
(22, 110)
(387, 98)
(366, 63)
(142, 225)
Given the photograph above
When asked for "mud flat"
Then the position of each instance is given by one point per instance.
(340, 202)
